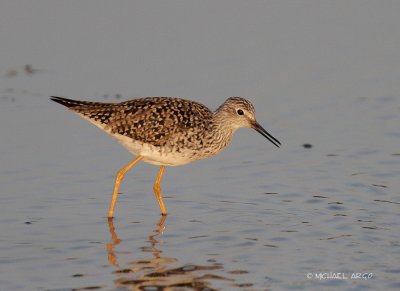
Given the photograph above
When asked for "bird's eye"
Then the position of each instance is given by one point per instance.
(240, 112)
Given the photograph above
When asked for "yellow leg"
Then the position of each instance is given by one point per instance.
(120, 175)
(157, 190)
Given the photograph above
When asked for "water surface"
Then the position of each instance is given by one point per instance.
(321, 212)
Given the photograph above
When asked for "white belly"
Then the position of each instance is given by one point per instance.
(152, 154)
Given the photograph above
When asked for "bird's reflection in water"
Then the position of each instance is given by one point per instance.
(156, 272)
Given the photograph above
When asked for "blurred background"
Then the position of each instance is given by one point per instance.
(324, 79)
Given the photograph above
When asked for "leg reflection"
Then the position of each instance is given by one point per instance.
(112, 258)
(158, 272)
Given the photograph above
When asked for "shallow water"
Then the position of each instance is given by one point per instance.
(254, 217)
(321, 212)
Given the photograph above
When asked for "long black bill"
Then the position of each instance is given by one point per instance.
(265, 134)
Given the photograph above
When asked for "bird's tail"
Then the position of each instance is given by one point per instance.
(73, 103)
(97, 113)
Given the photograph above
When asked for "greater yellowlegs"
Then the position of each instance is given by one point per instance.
(167, 131)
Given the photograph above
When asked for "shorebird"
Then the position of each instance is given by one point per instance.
(167, 131)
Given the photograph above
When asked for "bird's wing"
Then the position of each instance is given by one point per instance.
(156, 121)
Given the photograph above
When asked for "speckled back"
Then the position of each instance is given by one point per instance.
(149, 120)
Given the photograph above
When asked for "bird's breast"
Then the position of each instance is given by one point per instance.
(175, 152)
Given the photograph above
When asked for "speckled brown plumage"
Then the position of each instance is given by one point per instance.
(167, 125)
(149, 120)
(167, 131)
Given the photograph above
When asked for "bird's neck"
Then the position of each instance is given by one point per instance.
(220, 131)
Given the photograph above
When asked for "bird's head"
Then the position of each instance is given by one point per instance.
(238, 112)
